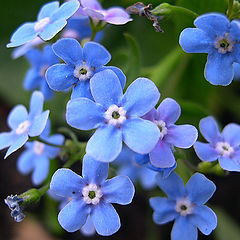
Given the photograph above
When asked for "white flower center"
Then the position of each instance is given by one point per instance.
(83, 72)
(223, 44)
(38, 147)
(162, 127)
(115, 115)
(184, 207)
(41, 24)
(92, 194)
(23, 127)
(224, 149)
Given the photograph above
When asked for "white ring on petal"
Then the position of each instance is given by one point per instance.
(41, 24)
(23, 127)
(92, 188)
(224, 148)
(118, 110)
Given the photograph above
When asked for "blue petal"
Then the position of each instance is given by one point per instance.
(84, 114)
(162, 156)
(47, 9)
(41, 169)
(106, 88)
(38, 124)
(209, 129)
(17, 115)
(105, 219)
(69, 50)
(18, 143)
(164, 210)
(82, 89)
(58, 139)
(23, 34)
(118, 190)
(204, 219)
(206, 152)
(88, 228)
(73, 216)
(32, 79)
(67, 183)
(147, 177)
(184, 230)
(219, 68)
(60, 77)
(25, 162)
(135, 102)
(46, 90)
(194, 40)
(181, 136)
(199, 189)
(95, 54)
(173, 185)
(105, 144)
(34, 56)
(231, 134)
(230, 164)
(6, 139)
(236, 67)
(52, 29)
(49, 56)
(94, 171)
(36, 104)
(140, 135)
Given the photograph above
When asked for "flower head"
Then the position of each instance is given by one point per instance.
(91, 195)
(51, 19)
(24, 124)
(223, 146)
(185, 205)
(218, 37)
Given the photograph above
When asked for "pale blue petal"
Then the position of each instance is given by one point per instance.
(17, 115)
(92, 4)
(105, 144)
(34, 56)
(58, 139)
(206, 152)
(147, 177)
(140, 135)
(135, 102)
(236, 67)
(118, 190)
(94, 171)
(84, 114)
(82, 90)
(32, 79)
(231, 134)
(48, 9)
(88, 228)
(36, 104)
(41, 169)
(230, 164)
(46, 90)
(199, 189)
(6, 139)
(25, 162)
(105, 219)
(152, 115)
(117, 16)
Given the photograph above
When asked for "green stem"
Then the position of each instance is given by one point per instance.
(45, 142)
(69, 133)
(230, 8)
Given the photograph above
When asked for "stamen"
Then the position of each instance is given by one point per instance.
(92, 194)
(162, 127)
(115, 115)
(223, 44)
(224, 148)
(82, 72)
(184, 207)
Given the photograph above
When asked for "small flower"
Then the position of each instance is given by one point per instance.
(223, 146)
(181, 136)
(36, 157)
(35, 77)
(23, 124)
(91, 196)
(116, 116)
(81, 65)
(185, 205)
(218, 37)
(51, 19)
(93, 9)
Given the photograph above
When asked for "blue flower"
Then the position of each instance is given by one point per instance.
(236, 67)
(23, 124)
(223, 146)
(116, 116)
(185, 205)
(218, 37)
(51, 19)
(181, 136)
(92, 196)
(35, 77)
(81, 65)
(36, 157)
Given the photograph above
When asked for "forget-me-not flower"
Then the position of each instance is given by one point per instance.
(51, 19)
(80, 66)
(117, 117)
(218, 37)
(223, 146)
(181, 136)
(37, 155)
(35, 77)
(92, 195)
(24, 124)
(185, 205)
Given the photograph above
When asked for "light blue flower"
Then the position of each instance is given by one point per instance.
(91, 195)
(116, 116)
(181, 136)
(218, 37)
(23, 124)
(35, 77)
(223, 146)
(51, 19)
(185, 205)
(37, 156)
(81, 65)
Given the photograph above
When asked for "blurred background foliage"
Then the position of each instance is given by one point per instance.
(139, 51)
